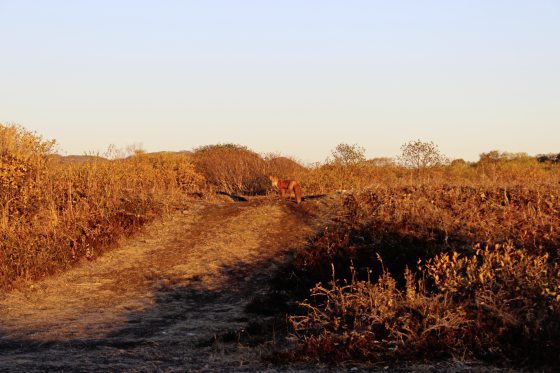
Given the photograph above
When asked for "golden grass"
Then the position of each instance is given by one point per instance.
(497, 303)
(482, 241)
(486, 280)
(54, 214)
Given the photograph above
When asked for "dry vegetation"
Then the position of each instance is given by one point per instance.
(450, 259)
(53, 214)
(457, 261)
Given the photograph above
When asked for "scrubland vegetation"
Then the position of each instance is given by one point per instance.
(427, 258)
(435, 270)
(55, 213)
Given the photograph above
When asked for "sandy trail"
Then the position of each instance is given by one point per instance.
(160, 300)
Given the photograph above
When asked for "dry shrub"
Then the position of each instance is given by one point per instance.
(512, 299)
(405, 223)
(437, 217)
(497, 303)
(175, 170)
(500, 303)
(57, 158)
(331, 177)
(232, 169)
(23, 158)
(54, 214)
(284, 167)
(506, 171)
(376, 321)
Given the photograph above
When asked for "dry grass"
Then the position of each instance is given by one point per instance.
(54, 214)
(377, 321)
(483, 240)
(498, 303)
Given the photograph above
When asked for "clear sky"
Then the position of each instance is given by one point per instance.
(295, 77)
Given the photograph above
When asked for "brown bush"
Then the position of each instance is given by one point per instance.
(491, 303)
(232, 169)
(407, 223)
(284, 167)
(476, 307)
(332, 177)
(512, 299)
(376, 320)
(54, 214)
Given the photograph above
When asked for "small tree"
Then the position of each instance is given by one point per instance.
(548, 158)
(419, 155)
(347, 155)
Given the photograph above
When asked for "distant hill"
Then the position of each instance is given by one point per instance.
(184, 152)
(163, 152)
(91, 158)
(77, 158)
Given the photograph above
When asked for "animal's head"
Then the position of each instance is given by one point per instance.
(274, 180)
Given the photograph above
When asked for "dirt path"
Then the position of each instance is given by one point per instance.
(163, 298)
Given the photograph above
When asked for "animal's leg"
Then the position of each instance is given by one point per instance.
(298, 193)
(291, 190)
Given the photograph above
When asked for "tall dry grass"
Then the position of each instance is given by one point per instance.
(499, 304)
(470, 250)
(54, 214)
(470, 267)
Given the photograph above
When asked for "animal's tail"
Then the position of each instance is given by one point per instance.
(297, 189)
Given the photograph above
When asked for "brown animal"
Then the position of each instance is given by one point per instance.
(291, 186)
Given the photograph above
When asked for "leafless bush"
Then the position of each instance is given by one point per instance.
(232, 168)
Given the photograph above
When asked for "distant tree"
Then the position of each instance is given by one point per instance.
(347, 155)
(496, 156)
(381, 162)
(548, 158)
(492, 156)
(420, 155)
(459, 162)
(217, 147)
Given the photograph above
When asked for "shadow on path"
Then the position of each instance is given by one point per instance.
(187, 327)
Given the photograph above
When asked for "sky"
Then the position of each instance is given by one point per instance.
(290, 77)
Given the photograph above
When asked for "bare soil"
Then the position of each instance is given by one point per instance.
(172, 298)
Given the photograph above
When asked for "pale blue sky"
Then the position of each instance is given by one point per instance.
(296, 77)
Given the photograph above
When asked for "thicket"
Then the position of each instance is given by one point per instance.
(431, 269)
(235, 169)
(499, 304)
(426, 259)
(53, 213)
(231, 168)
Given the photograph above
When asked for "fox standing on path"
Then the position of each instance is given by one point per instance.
(291, 185)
